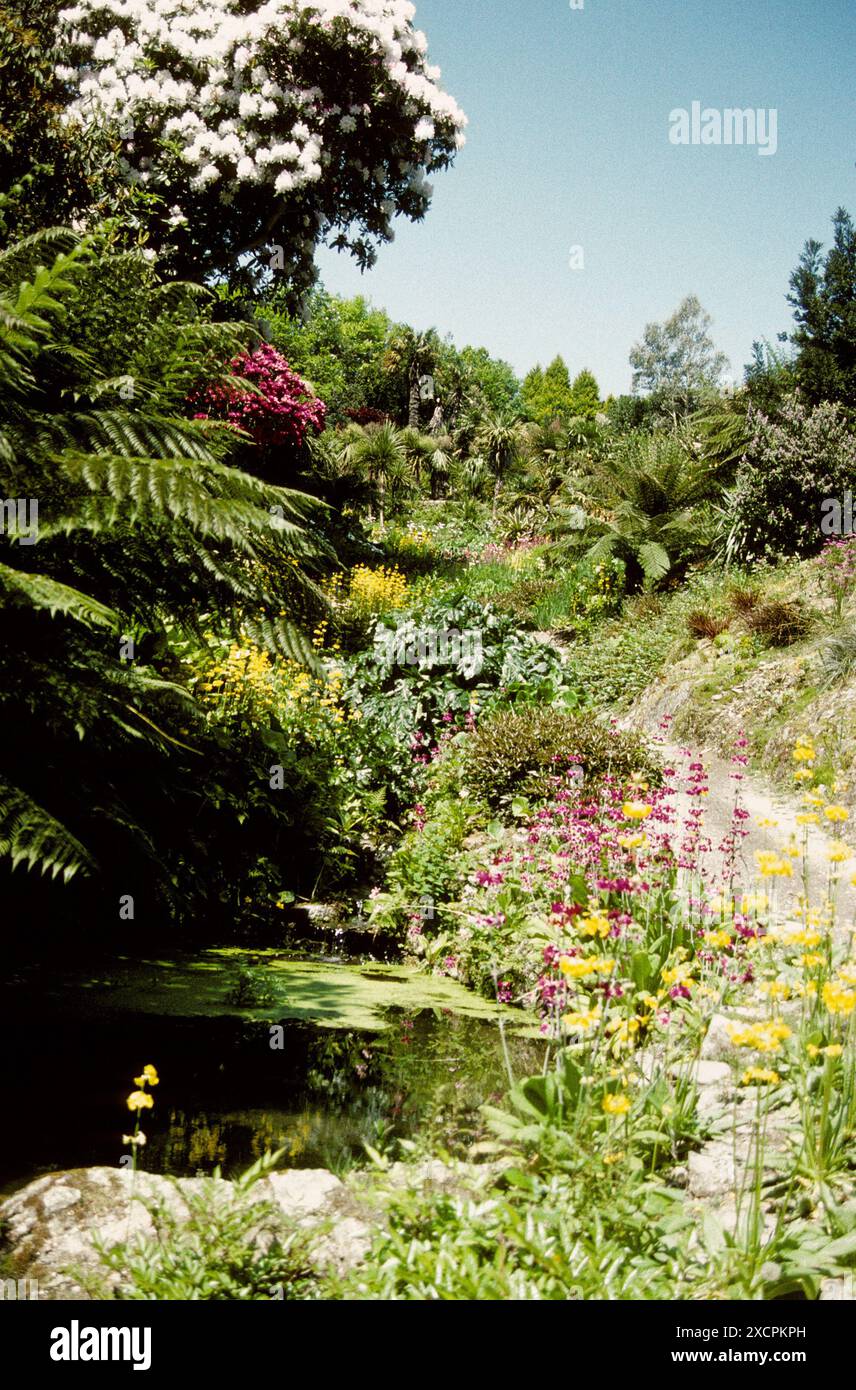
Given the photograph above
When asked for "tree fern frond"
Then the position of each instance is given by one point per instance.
(39, 591)
(31, 835)
(282, 638)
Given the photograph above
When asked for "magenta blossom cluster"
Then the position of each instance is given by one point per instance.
(280, 411)
(837, 561)
(601, 875)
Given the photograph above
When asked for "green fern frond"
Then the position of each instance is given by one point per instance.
(39, 591)
(31, 835)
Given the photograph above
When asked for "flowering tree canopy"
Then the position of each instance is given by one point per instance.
(263, 128)
(282, 409)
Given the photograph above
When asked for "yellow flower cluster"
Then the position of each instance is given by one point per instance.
(772, 865)
(680, 974)
(764, 1037)
(759, 1076)
(331, 699)
(243, 680)
(594, 925)
(776, 989)
(623, 1031)
(838, 999)
(584, 1021)
(377, 591)
(414, 542)
(140, 1099)
(749, 904)
(584, 967)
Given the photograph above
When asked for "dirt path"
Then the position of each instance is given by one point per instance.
(719, 1176)
(770, 825)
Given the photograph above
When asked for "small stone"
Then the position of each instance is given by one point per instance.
(301, 1192)
(717, 1043)
(711, 1171)
(708, 1073)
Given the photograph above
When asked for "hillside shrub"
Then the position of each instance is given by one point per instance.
(524, 751)
(793, 464)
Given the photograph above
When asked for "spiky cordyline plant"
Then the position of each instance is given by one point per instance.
(141, 523)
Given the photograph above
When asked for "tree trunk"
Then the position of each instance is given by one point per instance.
(413, 407)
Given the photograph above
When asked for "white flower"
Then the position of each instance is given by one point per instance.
(197, 74)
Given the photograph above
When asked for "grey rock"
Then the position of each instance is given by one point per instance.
(48, 1228)
(58, 1198)
(717, 1044)
(712, 1171)
(707, 1073)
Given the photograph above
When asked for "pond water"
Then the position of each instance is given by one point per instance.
(256, 1050)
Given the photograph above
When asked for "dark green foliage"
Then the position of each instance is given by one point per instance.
(646, 501)
(428, 863)
(823, 296)
(524, 752)
(770, 377)
(441, 660)
(547, 394)
(338, 345)
(142, 525)
(627, 413)
(585, 396)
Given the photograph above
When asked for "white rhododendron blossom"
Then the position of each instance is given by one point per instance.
(210, 100)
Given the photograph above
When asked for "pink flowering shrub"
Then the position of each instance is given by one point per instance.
(837, 566)
(281, 411)
(578, 914)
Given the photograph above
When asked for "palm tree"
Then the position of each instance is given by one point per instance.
(413, 354)
(429, 454)
(381, 453)
(547, 458)
(500, 439)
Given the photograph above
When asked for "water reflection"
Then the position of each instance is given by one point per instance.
(226, 1096)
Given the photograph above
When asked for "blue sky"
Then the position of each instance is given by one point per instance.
(568, 144)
